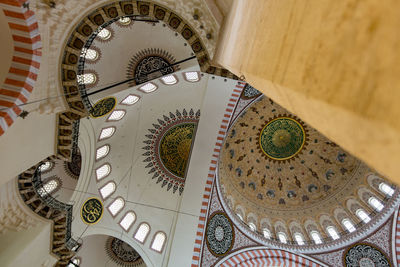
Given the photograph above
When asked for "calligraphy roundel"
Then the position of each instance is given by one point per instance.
(219, 234)
(103, 107)
(92, 211)
(365, 255)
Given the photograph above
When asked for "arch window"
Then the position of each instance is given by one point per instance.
(348, 225)
(130, 100)
(74, 262)
(142, 232)
(266, 233)
(50, 186)
(116, 115)
(125, 21)
(46, 166)
(107, 190)
(169, 79)
(102, 152)
(89, 54)
(104, 34)
(282, 237)
(128, 220)
(362, 215)
(316, 237)
(87, 78)
(386, 189)
(158, 242)
(299, 239)
(103, 171)
(252, 227)
(239, 216)
(116, 206)
(106, 133)
(332, 232)
(192, 76)
(375, 203)
(148, 88)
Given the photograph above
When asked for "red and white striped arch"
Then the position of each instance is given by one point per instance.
(252, 257)
(19, 83)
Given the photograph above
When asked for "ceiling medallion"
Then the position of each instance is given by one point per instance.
(282, 138)
(147, 61)
(169, 146)
(92, 211)
(219, 234)
(122, 253)
(365, 255)
(103, 107)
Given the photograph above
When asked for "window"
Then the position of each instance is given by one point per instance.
(74, 262)
(386, 189)
(316, 237)
(148, 88)
(104, 34)
(252, 226)
(130, 100)
(89, 54)
(332, 232)
(348, 225)
(102, 152)
(103, 171)
(192, 76)
(282, 237)
(48, 187)
(46, 166)
(362, 215)
(142, 232)
(116, 115)
(240, 216)
(107, 190)
(169, 79)
(116, 206)
(87, 78)
(106, 133)
(266, 233)
(125, 20)
(158, 242)
(128, 220)
(375, 203)
(299, 238)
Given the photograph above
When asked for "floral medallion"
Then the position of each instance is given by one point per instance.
(103, 107)
(169, 146)
(219, 234)
(365, 255)
(122, 253)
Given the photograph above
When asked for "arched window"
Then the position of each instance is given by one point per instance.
(316, 237)
(386, 189)
(332, 232)
(75, 262)
(169, 79)
(192, 76)
(375, 203)
(102, 152)
(128, 220)
(87, 78)
(348, 225)
(282, 237)
(142, 232)
(107, 133)
(103, 171)
(362, 215)
(49, 187)
(130, 100)
(299, 238)
(240, 216)
(116, 115)
(89, 54)
(148, 88)
(116, 206)
(266, 233)
(125, 20)
(107, 190)
(104, 34)
(252, 226)
(46, 166)
(158, 242)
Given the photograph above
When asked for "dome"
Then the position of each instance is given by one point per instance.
(290, 183)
